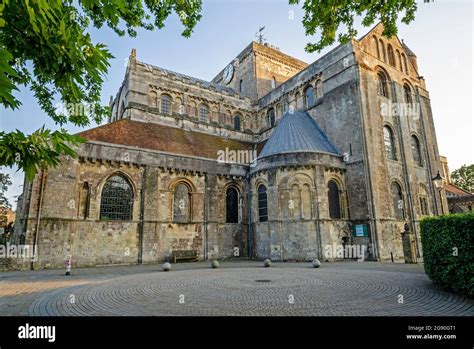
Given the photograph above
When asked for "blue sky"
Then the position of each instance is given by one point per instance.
(441, 36)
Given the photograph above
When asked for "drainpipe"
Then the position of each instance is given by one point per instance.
(141, 224)
(38, 219)
(206, 217)
(88, 199)
(317, 223)
(249, 218)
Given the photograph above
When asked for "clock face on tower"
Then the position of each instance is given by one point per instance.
(228, 74)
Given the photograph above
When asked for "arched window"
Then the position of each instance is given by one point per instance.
(271, 117)
(391, 56)
(309, 96)
(165, 104)
(415, 149)
(152, 99)
(232, 205)
(241, 86)
(382, 50)
(294, 204)
(376, 46)
(405, 65)
(424, 208)
(399, 57)
(262, 203)
(407, 91)
(334, 200)
(389, 144)
(178, 106)
(274, 83)
(237, 123)
(382, 87)
(226, 117)
(319, 89)
(116, 201)
(182, 203)
(213, 117)
(203, 111)
(397, 201)
(297, 100)
(193, 109)
(306, 201)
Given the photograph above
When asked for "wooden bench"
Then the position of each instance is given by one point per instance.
(188, 255)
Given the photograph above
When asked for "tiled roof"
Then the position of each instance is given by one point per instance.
(450, 188)
(297, 132)
(162, 138)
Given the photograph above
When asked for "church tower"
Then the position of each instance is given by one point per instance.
(258, 69)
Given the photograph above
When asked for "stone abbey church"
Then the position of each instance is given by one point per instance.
(274, 158)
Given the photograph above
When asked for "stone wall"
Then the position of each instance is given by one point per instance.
(69, 224)
(298, 225)
(379, 111)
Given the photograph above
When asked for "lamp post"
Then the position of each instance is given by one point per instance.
(438, 181)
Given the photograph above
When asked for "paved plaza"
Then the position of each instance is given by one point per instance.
(236, 288)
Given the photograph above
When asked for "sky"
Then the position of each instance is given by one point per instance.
(441, 36)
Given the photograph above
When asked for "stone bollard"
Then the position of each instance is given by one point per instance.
(68, 265)
(215, 264)
(316, 263)
(166, 267)
(267, 263)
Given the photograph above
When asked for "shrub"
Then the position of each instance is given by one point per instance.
(448, 251)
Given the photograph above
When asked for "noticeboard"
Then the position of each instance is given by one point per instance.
(361, 230)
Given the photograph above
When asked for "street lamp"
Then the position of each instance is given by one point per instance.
(438, 181)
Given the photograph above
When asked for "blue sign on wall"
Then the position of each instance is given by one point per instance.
(361, 230)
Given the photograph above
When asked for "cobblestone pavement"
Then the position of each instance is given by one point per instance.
(236, 288)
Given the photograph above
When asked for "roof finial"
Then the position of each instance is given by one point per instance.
(260, 37)
(132, 59)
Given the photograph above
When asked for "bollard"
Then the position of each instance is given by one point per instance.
(68, 265)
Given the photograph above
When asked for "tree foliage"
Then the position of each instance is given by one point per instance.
(325, 17)
(5, 182)
(463, 178)
(45, 45)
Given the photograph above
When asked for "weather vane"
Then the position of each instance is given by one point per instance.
(261, 38)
